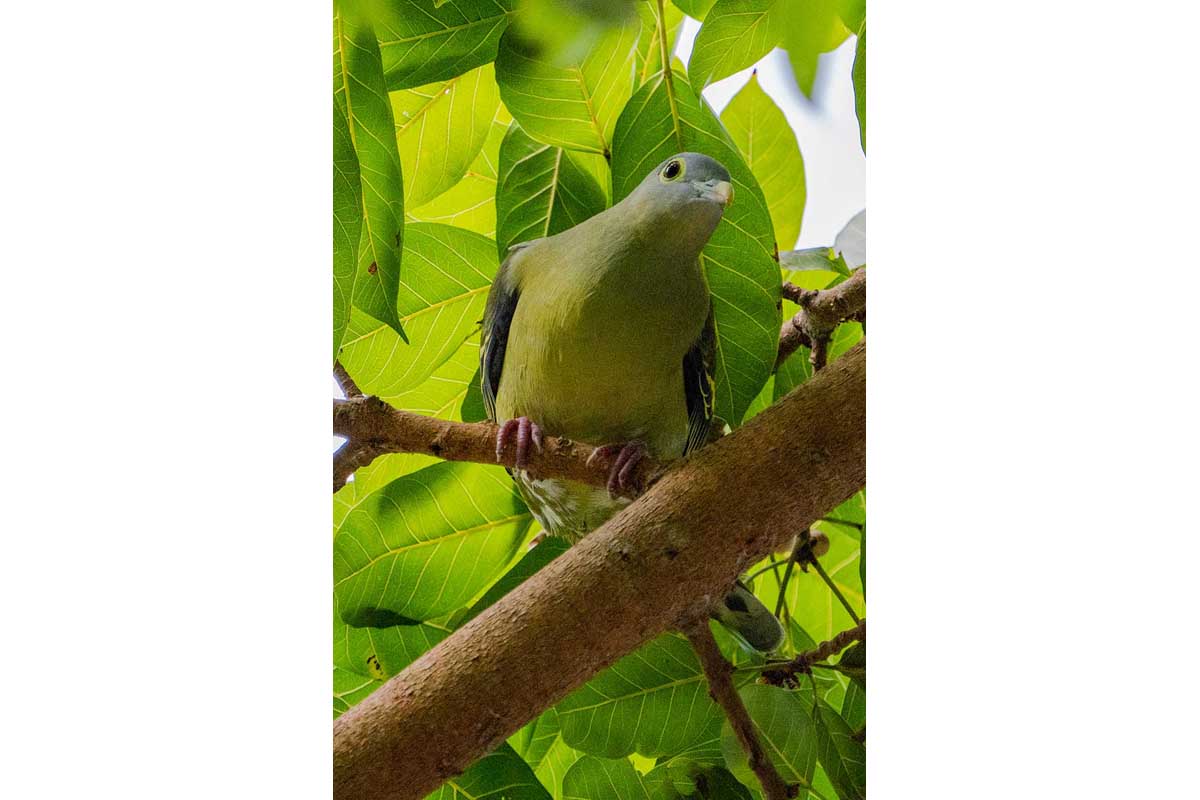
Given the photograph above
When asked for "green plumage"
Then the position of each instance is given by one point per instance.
(604, 334)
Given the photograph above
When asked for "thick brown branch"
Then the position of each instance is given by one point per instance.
(719, 673)
(373, 428)
(661, 561)
(820, 312)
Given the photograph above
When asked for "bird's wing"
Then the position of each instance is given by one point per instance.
(497, 319)
(698, 384)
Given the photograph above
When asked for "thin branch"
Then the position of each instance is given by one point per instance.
(820, 313)
(719, 673)
(349, 387)
(833, 588)
(374, 428)
(781, 674)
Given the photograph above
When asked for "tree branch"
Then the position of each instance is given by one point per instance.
(820, 313)
(719, 673)
(662, 561)
(373, 428)
(785, 672)
(347, 384)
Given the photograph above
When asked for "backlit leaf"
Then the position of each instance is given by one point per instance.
(422, 43)
(441, 128)
(654, 701)
(500, 775)
(426, 543)
(649, 61)
(574, 104)
(665, 117)
(811, 27)
(347, 215)
(769, 145)
(543, 190)
(735, 34)
(858, 75)
(448, 272)
(349, 688)
(590, 778)
(785, 729)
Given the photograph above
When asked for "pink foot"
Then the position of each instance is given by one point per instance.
(628, 456)
(527, 431)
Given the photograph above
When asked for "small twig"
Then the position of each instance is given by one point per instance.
(820, 313)
(349, 387)
(833, 588)
(719, 673)
(781, 674)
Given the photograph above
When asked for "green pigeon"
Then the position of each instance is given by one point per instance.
(604, 334)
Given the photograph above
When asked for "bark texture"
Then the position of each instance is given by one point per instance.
(662, 561)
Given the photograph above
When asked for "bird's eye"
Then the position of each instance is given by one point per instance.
(672, 170)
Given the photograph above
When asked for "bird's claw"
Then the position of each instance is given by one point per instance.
(527, 431)
(620, 475)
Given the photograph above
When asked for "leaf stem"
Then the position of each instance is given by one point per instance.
(833, 588)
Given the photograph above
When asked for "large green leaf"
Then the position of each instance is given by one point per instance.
(471, 203)
(666, 117)
(767, 141)
(680, 778)
(349, 688)
(696, 9)
(426, 543)
(422, 42)
(529, 565)
(591, 778)
(448, 272)
(654, 701)
(500, 775)
(785, 729)
(440, 129)
(541, 746)
(347, 213)
(735, 34)
(858, 75)
(811, 27)
(369, 117)
(573, 104)
(843, 758)
(543, 190)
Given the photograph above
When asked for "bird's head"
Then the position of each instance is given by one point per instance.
(684, 196)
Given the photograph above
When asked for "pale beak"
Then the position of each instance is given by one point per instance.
(717, 191)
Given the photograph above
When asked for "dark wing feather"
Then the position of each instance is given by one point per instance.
(698, 384)
(497, 319)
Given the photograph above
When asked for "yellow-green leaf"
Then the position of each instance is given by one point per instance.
(423, 43)
(735, 34)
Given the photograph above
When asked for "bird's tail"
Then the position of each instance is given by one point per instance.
(749, 620)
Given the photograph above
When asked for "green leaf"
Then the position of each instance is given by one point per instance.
(543, 190)
(591, 778)
(854, 705)
(543, 749)
(654, 701)
(369, 115)
(696, 9)
(428, 542)
(853, 13)
(541, 555)
(735, 34)
(573, 104)
(685, 778)
(441, 128)
(347, 214)
(812, 27)
(448, 272)
(380, 653)
(665, 117)
(858, 74)
(500, 775)
(422, 44)
(785, 729)
(349, 688)
(648, 59)
(471, 203)
(767, 141)
(843, 758)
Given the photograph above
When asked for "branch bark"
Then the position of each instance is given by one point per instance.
(820, 312)
(373, 428)
(663, 560)
(719, 673)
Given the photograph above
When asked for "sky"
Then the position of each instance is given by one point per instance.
(826, 127)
